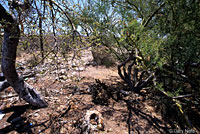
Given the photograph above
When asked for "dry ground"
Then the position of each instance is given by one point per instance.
(67, 89)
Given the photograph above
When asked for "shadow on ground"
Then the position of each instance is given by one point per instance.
(139, 119)
(17, 121)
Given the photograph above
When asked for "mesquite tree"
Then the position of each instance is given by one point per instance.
(11, 39)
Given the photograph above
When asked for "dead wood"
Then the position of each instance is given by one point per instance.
(135, 81)
(11, 39)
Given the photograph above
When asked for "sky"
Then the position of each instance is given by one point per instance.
(4, 3)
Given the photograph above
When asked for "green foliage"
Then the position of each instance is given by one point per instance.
(164, 35)
(181, 31)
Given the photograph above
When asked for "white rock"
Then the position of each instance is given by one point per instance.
(96, 117)
(36, 114)
(80, 69)
(1, 115)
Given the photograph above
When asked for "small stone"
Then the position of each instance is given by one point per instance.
(109, 130)
(62, 71)
(63, 130)
(1, 115)
(74, 65)
(80, 69)
(94, 120)
(143, 91)
(100, 127)
(36, 114)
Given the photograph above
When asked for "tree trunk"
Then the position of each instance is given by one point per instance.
(41, 36)
(11, 39)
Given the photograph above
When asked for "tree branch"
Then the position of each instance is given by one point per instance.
(3, 85)
(151, 16)
(64, 12)
(11, 39)
(136, 8)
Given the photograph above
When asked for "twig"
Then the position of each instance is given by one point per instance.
(183, 96)
(150, 17)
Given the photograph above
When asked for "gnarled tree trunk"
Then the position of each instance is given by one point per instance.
(11, 39)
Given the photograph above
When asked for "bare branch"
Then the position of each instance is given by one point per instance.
(144, 82)
(11, 39)
(136, 8)
(121, 65)
(152, 15)
(64, 12)
(182, 96)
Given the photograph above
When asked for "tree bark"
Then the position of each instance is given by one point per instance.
(41, 36)
(11, 39)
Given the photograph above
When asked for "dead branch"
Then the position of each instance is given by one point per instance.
(124, 77)
(135, 83)
(11, 39)
(182, 96)
(144, 82)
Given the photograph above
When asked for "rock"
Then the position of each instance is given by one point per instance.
(74, 65)
(62, 71)
(63, 130)
(1, 115)
(109, 130)
(80, 69)
(74, 73)
(143, 91)
(63, 77)
(93, 121)
(36, 115)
